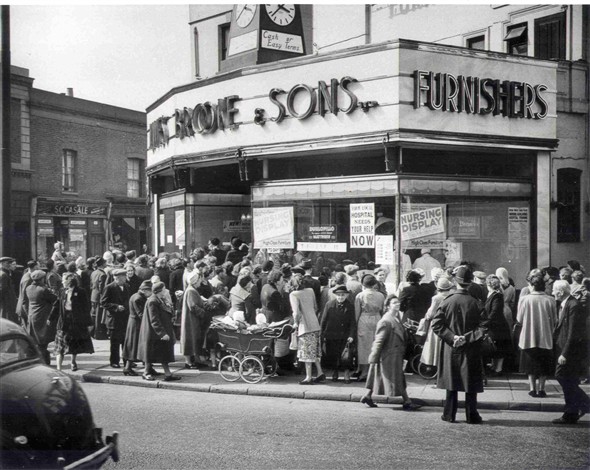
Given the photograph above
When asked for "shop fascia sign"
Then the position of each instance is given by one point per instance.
(70, 209)
(475, 95)
(209, 117)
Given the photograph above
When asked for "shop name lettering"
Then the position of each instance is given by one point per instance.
(474, 95)
(207, 118)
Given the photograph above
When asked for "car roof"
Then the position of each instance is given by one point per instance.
(8, 327)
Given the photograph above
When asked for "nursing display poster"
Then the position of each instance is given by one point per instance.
(423, 225)
(273, 227)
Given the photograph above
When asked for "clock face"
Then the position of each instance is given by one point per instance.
(244, 14)
(282, 15)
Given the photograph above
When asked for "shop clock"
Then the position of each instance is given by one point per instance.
(281, 15)
(245, 14)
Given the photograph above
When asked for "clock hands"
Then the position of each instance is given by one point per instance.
(242, 11)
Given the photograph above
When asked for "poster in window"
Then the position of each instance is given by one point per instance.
(179, 228)
(273, 227)
(465, 227)
(362, 225)
(422, 223)
(384, 249)
(518, 227)
(162, 230)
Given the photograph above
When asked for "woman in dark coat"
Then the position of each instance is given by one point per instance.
(133, 280)
(73, 335)
(39, 303)
(415, 298)
(338, 328)
(136, 307)
(156, 337)
(499, 330)
(271, 299)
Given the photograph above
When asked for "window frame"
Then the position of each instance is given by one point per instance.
(137, 180)
(568, 184)
(514, 39)
(69, 188)
(470, 40)
(223, 28)
(556, 18)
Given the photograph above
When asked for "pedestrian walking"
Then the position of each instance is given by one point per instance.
(39, 302)
(25, 282)
(570, 351)
(115, 301)
(156, 337)
(458, 321)
(537, 317)
(136, 308)
(386, 373)
(73, 323)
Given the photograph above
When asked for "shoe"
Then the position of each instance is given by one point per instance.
(115, 366)
(335, 377)
(190, 366)
(356, 375)
(369, 402)
(130, 372)
(586, 381)
(411, 406)
(563, 420)
(542, 394)
(170, 378)
(362, 379)
(132, 365)
(475, 420)
(154, 373)
(346, 381)
(447, 419)
(74, 367)
(306, 382)
(149, 377)
(533, 393)
(320, 379)
(582, 413)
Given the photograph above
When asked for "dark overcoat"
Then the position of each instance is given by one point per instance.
(113, 297)
(497, 324)
(136, 307)
(80, 319)
(25, 282)
(8, 298)
(338, 323)
(414, 301)
(569, 339)
(460, 369)
(156, 322)
(40, 302)
(272, 303)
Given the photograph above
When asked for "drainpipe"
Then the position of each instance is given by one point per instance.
(367, 24)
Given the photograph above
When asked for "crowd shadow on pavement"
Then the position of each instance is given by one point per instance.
(520, 423)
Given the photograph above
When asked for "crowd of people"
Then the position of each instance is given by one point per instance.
(473, 324)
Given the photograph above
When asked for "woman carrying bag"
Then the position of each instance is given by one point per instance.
(338, 328)
(386, 372)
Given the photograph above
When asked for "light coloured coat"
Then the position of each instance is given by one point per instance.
(537, 313)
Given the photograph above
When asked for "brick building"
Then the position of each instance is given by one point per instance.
(78, 173)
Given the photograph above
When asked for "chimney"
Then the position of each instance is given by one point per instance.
(70, 92)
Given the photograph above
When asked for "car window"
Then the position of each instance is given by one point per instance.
(16, 349)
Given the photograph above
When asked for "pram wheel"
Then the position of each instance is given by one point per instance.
(415, 364)
(270, 365)
(229, 368)
(427, 372)
(252, 370)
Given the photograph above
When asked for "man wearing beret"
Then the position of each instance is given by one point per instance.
(458, 322)
(39, 303)
(115, 301)
(8, 298)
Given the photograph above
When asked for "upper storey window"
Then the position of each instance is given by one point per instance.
(517, 39)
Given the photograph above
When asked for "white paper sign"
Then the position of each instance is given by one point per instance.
(281, 41)
(384, 249)
(273, 227)
(242, 43)
(179, 228)
(162, 230)
(362, 225)
(323, 247)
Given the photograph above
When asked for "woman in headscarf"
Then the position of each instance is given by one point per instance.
(192, 331)
(241, 298)
(509, 294)
(368, 307)
(498, 328)
(74, 320)
(386, 374)
(156, 337)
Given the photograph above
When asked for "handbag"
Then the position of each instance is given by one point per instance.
(293, 343)
(488, 346)
(347, 356)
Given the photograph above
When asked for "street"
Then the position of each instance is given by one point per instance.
(176, 429)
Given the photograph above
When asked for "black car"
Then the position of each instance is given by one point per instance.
(45, 417)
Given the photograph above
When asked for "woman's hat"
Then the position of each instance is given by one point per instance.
(341, 290)
(37, 275)
(145, 285)
(158, 287)
(369, 280)
(463, 275)
(351, 269)
(444, 284)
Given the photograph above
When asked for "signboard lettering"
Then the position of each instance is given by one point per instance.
(273, 227)
(281, 41)
(362, 225)
(67, 209)
(422, 223)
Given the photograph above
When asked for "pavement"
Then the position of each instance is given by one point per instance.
(508, 392)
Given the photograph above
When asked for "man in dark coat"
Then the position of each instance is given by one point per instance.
(215, 250)
(8, 298)
(460, 324)
(570, 351)
(98, 281)
(311, 281)
(40, 302)
(25, 282)
(115, 301)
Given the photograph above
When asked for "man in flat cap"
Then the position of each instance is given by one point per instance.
(458, 322)
(8, 298)
(39, 303)
(115, 301)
